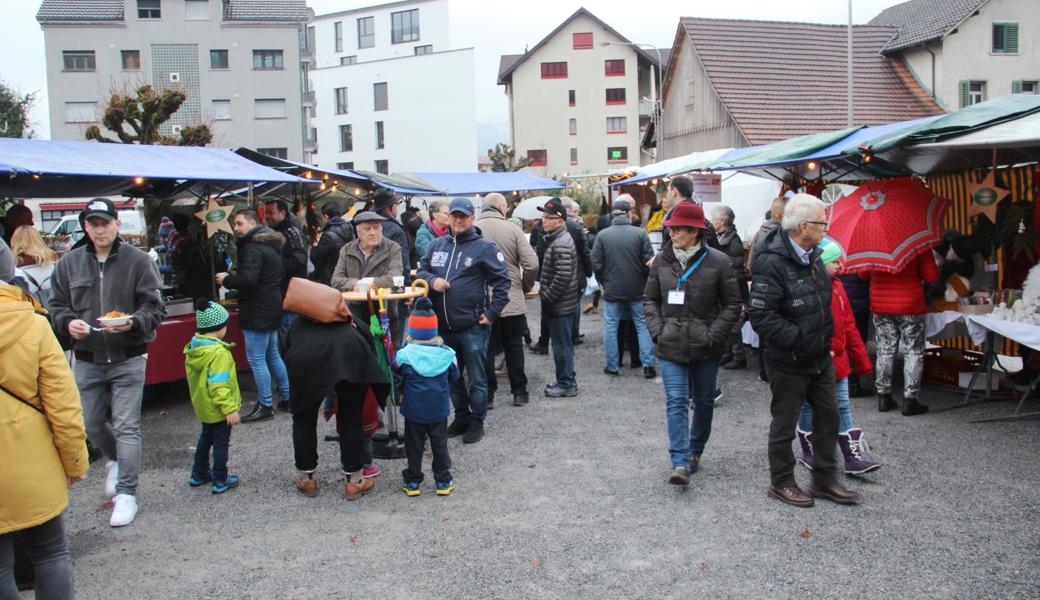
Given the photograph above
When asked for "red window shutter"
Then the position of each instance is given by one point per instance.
(582, 41)
(614, 68)
(554, 70)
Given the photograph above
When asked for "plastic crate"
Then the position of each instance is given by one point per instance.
(945, 369)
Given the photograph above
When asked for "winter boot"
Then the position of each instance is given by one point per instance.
(912, 407)
(854, 449)
(885, 402)
(805, 440)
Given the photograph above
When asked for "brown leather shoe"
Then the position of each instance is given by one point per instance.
(836, 493)
(308, 486)
(358, 488)
(792, 495)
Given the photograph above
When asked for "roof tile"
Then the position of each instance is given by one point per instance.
(921, 21)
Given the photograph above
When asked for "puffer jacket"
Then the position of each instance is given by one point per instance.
(325, 254)
(699, 328)
(756, 241)
(521, 260)
(730, 244)
(619, 257)
(790, 306)
(560, 289)
(258, 279)
(846, 346)
(49, 447)
(902, 293)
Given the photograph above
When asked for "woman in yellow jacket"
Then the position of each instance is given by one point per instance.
(41, 423)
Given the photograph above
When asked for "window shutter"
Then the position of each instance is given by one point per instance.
(998, 37)
(1016, 86)
(965, 95)
(1011, 38)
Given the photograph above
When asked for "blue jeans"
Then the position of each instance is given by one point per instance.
(615, 311)
(841, 389)
(561, 336)
(686, 439)
(265, 362)
(469, 393)
(218, 437)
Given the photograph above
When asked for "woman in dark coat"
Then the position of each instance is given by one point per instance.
(691, 302)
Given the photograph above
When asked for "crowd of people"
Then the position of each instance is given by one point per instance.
(679, 311)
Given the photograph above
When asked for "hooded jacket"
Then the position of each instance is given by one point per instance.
(325, 254)
(471, 265)
(49, 447)
(521, 260)
(619, 257)
(84, 288)
(212, 378)
(258, 279)
(427, 372)
(560, 287)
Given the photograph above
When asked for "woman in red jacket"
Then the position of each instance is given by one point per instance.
(897, 302)
(846, 346)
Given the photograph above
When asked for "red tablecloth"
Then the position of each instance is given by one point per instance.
(166, 353)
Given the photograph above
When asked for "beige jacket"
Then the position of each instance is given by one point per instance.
(520, 258)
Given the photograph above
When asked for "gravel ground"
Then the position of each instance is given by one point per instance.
(568, 498)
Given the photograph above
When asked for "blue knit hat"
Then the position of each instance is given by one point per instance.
(422, 323)
(209, 316)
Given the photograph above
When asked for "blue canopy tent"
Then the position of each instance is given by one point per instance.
(338, 177)
(467, 184)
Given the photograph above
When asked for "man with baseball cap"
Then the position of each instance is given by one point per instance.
(560, 291)
(101, 276)
(461, 267)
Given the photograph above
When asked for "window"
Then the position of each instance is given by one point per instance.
(149, 9)
(268, 60)
(1025, 87)
(574, 127)
(345, 166)
(617, 124)
(196, 10)
(972, 92)
(554, 70)
(221, 110)
(582, 41)
(538, 158)
(379, 135)
(1005, 38)
(346, 138)
(574, 156)
(614, 68)
(218, 59)
(615, 95)
(379, 90)
(80, 112)
(337, 32)
(79, 60)
(271, 108)
(427, 49)
(282, 153)
(404, 26)
(570, 97)
(617, 154)
(131, 60)
(341, 101)
(383, 166)
(348, 60)
(366, 32)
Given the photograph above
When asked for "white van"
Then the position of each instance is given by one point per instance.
(132, 223)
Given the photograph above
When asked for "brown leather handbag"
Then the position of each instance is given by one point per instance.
(315, 301)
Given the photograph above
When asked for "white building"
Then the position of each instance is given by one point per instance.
(580, 99)
(390, 93)
(238, 61)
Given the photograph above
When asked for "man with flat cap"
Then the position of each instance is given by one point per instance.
(373, 256)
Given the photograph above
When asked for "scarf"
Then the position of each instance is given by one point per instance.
(684, 256)
(437, 231)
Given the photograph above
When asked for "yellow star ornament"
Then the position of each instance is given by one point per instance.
(985, 197)
(216, 218)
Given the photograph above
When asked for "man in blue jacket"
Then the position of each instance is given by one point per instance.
(460, 268)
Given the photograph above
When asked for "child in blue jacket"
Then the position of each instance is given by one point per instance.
(427, 368)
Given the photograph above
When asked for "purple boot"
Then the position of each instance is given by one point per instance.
(805, 439)
(854, 449)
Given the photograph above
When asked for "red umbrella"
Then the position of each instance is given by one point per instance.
(883, 225)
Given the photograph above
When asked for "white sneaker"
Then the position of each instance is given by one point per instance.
(112, 468)
(125, 510)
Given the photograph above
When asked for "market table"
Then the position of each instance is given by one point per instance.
(166, 353)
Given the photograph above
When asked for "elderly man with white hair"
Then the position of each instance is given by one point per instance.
(789, 307)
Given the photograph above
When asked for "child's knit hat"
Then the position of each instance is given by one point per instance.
(209, 316)
(422, 323)
(831, 251)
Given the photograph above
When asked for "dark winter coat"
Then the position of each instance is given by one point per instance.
(559, 285)
(858, 291)
(581, 247)
(294, 251)
(619, 257)
(759, 238)
(426, 372)
(258, 279)
(790, 306)
(700, 327)
(394, 231)
(731, 245)
(325, 254)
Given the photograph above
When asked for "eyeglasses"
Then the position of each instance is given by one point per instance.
(824, 223)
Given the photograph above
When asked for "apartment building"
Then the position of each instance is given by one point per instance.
(240, 63)
(581, 98)
(390, 92)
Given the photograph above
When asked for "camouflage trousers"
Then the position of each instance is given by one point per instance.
(904, 332)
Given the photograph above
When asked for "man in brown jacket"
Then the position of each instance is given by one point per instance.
(507, 332)
(369, 256)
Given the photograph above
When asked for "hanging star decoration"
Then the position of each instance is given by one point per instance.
(985, 197)
(215, 217)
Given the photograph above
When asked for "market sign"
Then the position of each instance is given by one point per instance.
(707, 187)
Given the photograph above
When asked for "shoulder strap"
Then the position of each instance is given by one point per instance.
(22, 400)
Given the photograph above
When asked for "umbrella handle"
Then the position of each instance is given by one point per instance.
(382, 303)
(371, 304)
(421, 283)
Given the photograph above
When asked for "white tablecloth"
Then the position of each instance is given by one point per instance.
(1023, 333)
(935, 322)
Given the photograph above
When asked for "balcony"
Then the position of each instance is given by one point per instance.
(647, 107)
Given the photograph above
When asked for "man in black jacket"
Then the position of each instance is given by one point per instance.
(790, 308)
(584, 265)
(336, 234)
(258, 281)
(560, 294)
(294, 251)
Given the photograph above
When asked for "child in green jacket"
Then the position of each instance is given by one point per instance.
(213, 384)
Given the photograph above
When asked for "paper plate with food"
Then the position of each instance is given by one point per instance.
(114, 318)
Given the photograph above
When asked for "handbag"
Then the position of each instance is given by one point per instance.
(315, 301)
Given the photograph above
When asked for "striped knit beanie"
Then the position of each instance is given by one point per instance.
(831, 251)
(209, 316)
(422, 323)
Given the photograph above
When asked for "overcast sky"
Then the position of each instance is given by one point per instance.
(492, 28)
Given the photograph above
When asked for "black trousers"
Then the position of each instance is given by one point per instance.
(507, 335)
(351, 398)
(789, 390)
(415, 436)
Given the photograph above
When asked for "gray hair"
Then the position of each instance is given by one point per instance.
(800, 209)
(725, 213)
(437, 206)
(496, 201)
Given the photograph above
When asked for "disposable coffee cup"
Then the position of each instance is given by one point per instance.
(399, 284)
